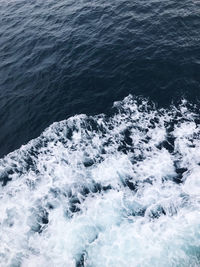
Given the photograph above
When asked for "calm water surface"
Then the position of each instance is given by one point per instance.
(61, 58)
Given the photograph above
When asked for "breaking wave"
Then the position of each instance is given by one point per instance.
(102, 190)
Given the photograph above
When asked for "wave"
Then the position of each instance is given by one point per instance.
(105, 190)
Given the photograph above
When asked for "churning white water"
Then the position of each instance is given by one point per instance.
(118, 190)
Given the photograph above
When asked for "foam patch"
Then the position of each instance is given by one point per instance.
(105, 191)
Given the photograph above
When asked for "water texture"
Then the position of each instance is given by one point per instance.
(61, 58)
(99, 133)
(105, 191)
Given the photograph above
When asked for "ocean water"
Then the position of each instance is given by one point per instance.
(100, 133)
(66, 57)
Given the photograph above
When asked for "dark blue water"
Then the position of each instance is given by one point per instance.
(64, 57)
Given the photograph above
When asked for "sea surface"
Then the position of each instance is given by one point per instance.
(99, 133)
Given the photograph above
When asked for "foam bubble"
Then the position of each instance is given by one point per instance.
(105, 191)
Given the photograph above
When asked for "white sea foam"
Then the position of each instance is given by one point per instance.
(105, 191)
